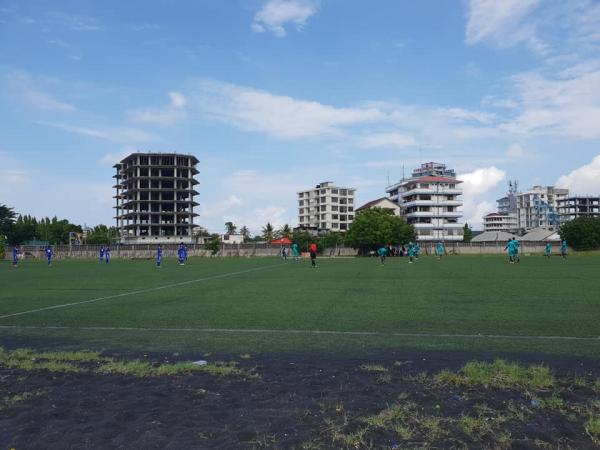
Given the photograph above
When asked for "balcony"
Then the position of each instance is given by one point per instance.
(432, 191)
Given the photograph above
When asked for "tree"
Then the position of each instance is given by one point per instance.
(7, 220)
(378, 226)
(582, 233)
(267, 232)
(244, 231)
(2, 245)
(230, 228)
(467, 233)
(101, 234)
(214, 245)
(285, 231)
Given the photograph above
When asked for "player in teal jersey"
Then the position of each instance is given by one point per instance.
(295, 251)
(411, 252)
(440, 250)
(548, 250)
(382, 252)
(563, 249)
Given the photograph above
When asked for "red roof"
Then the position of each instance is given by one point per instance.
(283, 240)
(432, 179)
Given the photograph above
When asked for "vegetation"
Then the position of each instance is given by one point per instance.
(499, 374)
(244, 231)
(232, 294)
(268, 232)
(102, 235)
(467, 233)
(230, 228)
(377, 226)
(2, 245)
(214, 245)
(582, 233)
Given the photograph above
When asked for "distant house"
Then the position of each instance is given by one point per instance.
(383, 202)
(493, 236)
(232, 238)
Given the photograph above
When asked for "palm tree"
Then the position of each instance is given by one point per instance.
(244, 231)
(286, 231)
(230, 228)
(267, 232)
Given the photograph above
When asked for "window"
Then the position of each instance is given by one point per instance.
(343, 217)
(350, 218)
(343, 192)
(323, 191)
(334, 217)
(343, 226)
(323, 216)
(323, 199)
(334, 208)
(324, 208)
(334, 191)
(334, 199)
(301, 202)
(350, 209)
(334, 225)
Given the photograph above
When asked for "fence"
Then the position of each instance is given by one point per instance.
(148, 251)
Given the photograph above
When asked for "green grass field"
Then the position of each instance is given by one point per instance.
(265, 305)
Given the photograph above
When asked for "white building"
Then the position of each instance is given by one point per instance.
(430, 201)
(383, 203)
(538, 207)
(500, 221)
(326, 208)
(574, 206)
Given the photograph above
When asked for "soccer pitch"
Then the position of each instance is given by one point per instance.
(475, 303)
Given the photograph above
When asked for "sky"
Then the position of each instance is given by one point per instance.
(275, 96)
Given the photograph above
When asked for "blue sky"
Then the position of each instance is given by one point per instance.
(274, 96)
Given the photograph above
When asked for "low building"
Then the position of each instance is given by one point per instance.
(383, 203)
(540, 235)
(493, 237)
(326, 207)
(232, 238)
(575, 206)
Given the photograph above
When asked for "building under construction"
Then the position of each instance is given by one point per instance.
(155, 198)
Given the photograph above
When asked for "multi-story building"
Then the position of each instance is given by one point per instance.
(574, 206)
(500, 221)
(506, 217)
(326, 208)
(155, 197)
(538, 207)
(430, 201)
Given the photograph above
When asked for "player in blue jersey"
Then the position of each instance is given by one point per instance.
(181, 254)
(159, 254)
(563, 249)
(49, 254)
(107, 255)
(440, 250)
(15, 257)
(283, 253)
(548, 250)
(101, 253)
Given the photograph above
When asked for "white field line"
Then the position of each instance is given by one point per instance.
(306, 332)
(141, 291)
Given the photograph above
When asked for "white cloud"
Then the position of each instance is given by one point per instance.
(499, 22)
(476, 185)
(43, 100)
(276, 115)
(168, 115)
(583, 180)
(74, 22)
(110, 159)
(566, 104)
(276, 14)
(116, 134)
(516, 151)
(388, 140)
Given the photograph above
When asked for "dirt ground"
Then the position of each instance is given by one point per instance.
(389, 400)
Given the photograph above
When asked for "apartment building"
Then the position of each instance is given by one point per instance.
(575, 206)
(326, 208)
(506, 219)
(538, 207)
(431, 202)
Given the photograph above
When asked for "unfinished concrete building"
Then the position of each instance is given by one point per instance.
(155, 198)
